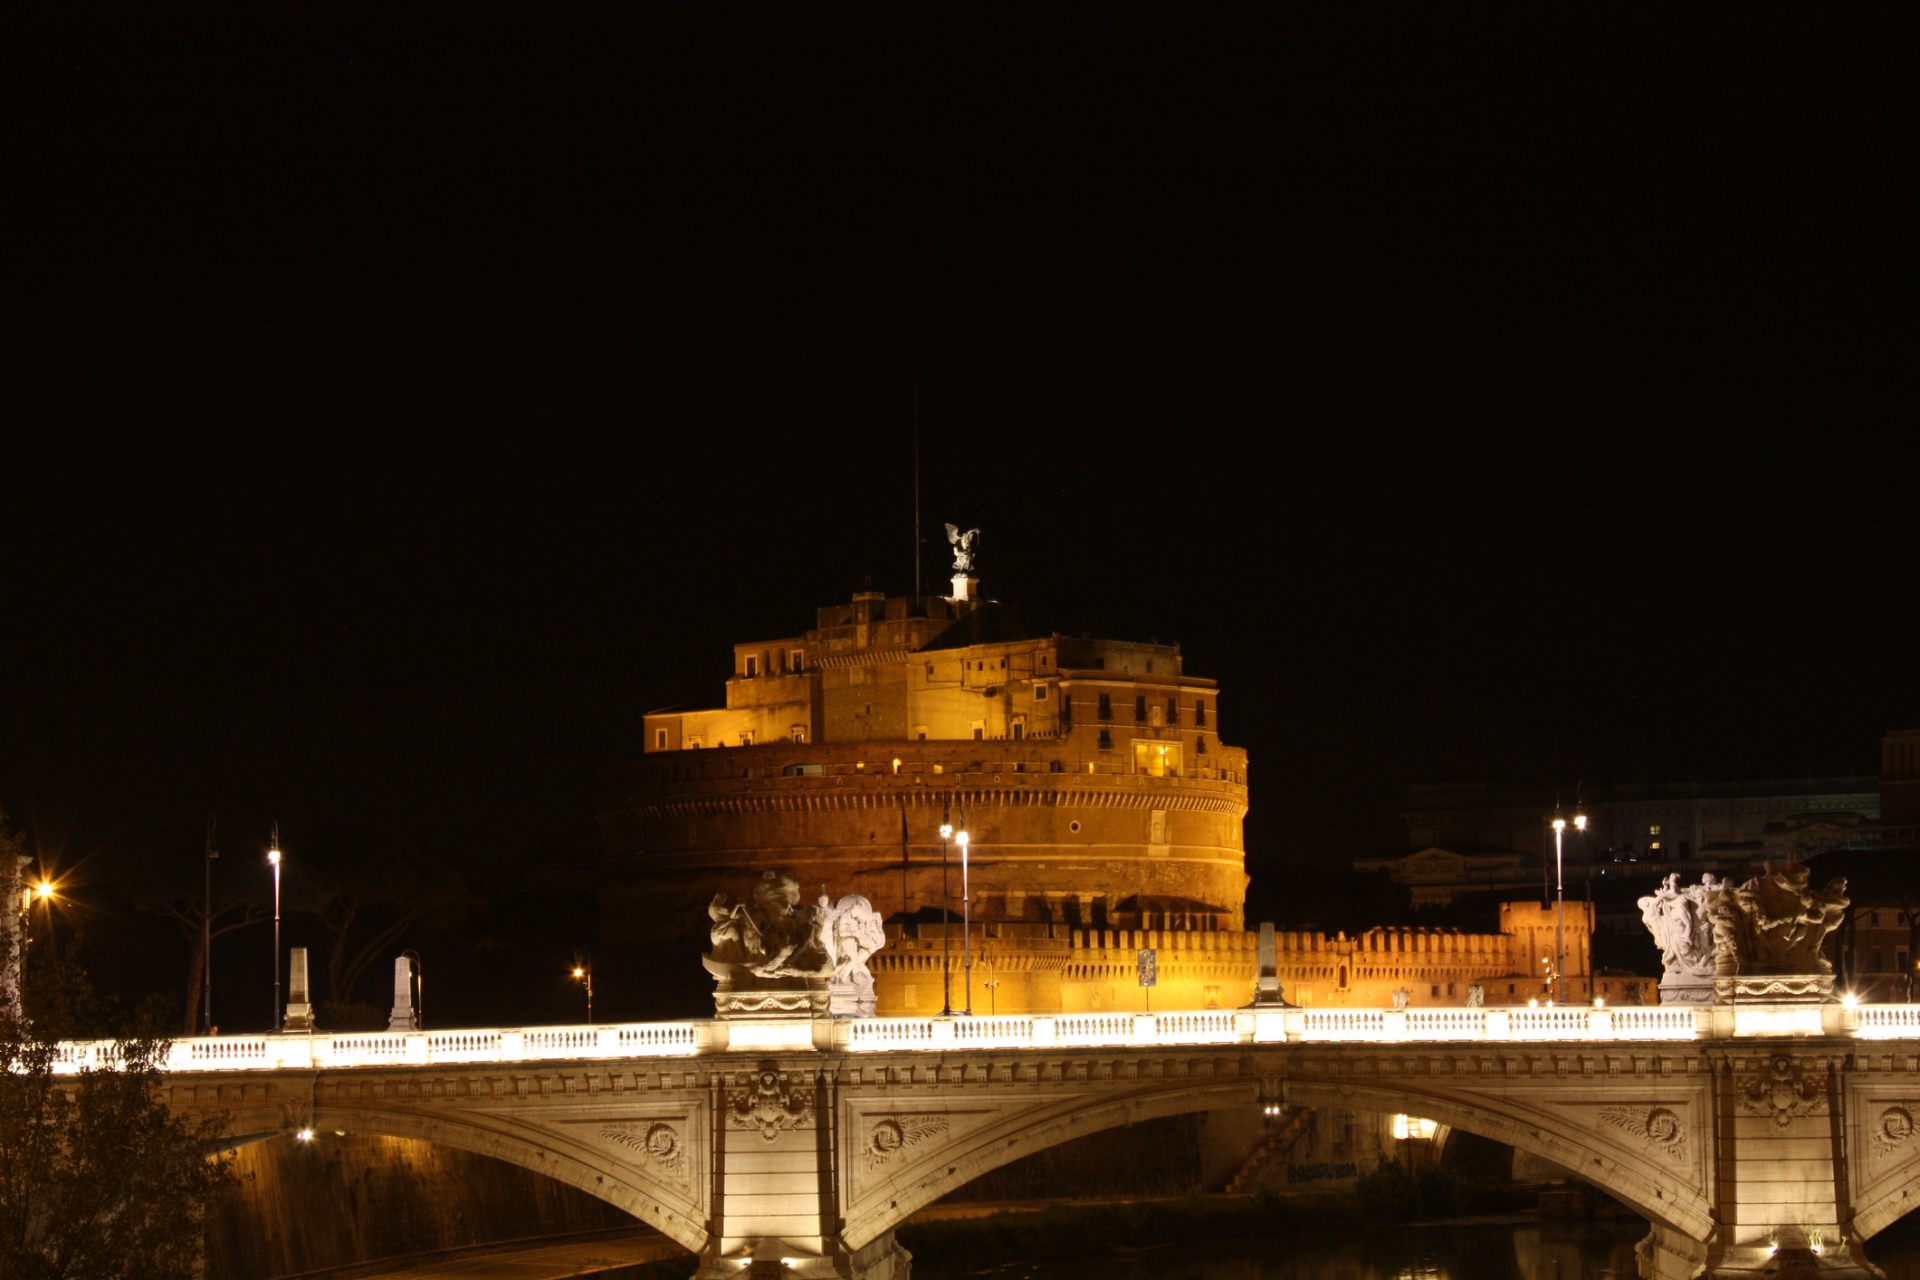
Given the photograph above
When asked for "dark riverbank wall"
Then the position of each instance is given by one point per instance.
(305, 1206)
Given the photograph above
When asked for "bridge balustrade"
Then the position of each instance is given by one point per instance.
(1572, 1023)
(1889, 1021)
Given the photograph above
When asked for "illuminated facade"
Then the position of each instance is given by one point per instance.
(1104, 816)
(1088, 774)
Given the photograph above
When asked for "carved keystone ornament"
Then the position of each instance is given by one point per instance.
(769, 1101)
(1783, 1089)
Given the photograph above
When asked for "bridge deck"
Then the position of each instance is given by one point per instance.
(1567, 1024)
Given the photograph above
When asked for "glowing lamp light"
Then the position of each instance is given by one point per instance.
(1599, 1002)
(960, 838)
(578, 972)
(1579, 822)
(946, 831)
(1533, 1002)
(304, 1135)
(1849, 1000)
(273, 856)
(43, 890)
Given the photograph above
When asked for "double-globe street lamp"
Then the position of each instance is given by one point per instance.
(959, 837)
(1560, 905)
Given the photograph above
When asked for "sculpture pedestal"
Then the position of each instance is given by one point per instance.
(1770, 988)
(1687, 991)
(738, 993)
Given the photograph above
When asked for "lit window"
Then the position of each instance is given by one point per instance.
(1654, 830)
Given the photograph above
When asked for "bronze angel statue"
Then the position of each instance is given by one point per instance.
(963, 545)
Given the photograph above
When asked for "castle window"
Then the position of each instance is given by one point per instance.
(799, 733)
(1019, 726)
(1056, 766)
(1106, 739)
(753, 665)
(1654, 830)
(1173, 711)
(979, 731)
(797, 659)
(746, 737)
(1106, 709)
(1199, 711)
(659, 739)
(1040, 693)
(1200, 745)
(1139, 707)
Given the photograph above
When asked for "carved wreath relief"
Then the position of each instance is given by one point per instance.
(1893, 1130)
(660, 1143)
(1784, 1090)
(889, 1137)
(1656, 1126)
(770, 1102)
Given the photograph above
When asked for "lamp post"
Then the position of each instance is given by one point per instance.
(206, 934)
(273, 857)
(966, 916)
(946, 944)
(1560, 904)
(583, 974)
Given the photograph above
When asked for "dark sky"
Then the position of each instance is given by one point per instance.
(408, 408)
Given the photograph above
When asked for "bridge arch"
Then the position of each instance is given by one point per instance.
(1652, 1189)
(538, 1148)
(1020, 1133)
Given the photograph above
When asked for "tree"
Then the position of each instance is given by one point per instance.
(368, 891)
(174, 883)
(97, 1178)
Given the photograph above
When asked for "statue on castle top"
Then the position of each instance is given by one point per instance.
(963, 545)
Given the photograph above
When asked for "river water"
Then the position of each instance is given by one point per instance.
(1523, 1251)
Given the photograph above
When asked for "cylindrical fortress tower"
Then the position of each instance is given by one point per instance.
(1087, 774)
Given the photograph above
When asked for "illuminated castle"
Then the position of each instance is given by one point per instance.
(1102, 811)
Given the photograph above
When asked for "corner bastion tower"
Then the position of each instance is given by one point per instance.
(1089, 776)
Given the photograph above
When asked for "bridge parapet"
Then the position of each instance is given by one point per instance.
(1566, 1024)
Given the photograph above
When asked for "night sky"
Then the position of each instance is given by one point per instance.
(405, 410)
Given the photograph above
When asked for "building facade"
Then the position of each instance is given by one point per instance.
(1068, 800)
(1088, 776)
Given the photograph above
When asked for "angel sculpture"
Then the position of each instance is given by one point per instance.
(963, 544)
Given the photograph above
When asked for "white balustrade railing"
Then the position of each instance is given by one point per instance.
(1564, 1024)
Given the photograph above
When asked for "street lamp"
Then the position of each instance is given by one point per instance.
(946, 944)
(966, 916)
(1560, 904)
(583, 974)
(273, 858)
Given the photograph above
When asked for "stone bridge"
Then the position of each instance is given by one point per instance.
(1754, 1138)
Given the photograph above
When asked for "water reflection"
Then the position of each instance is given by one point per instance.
(1522, 1251)
(1526, 1251)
